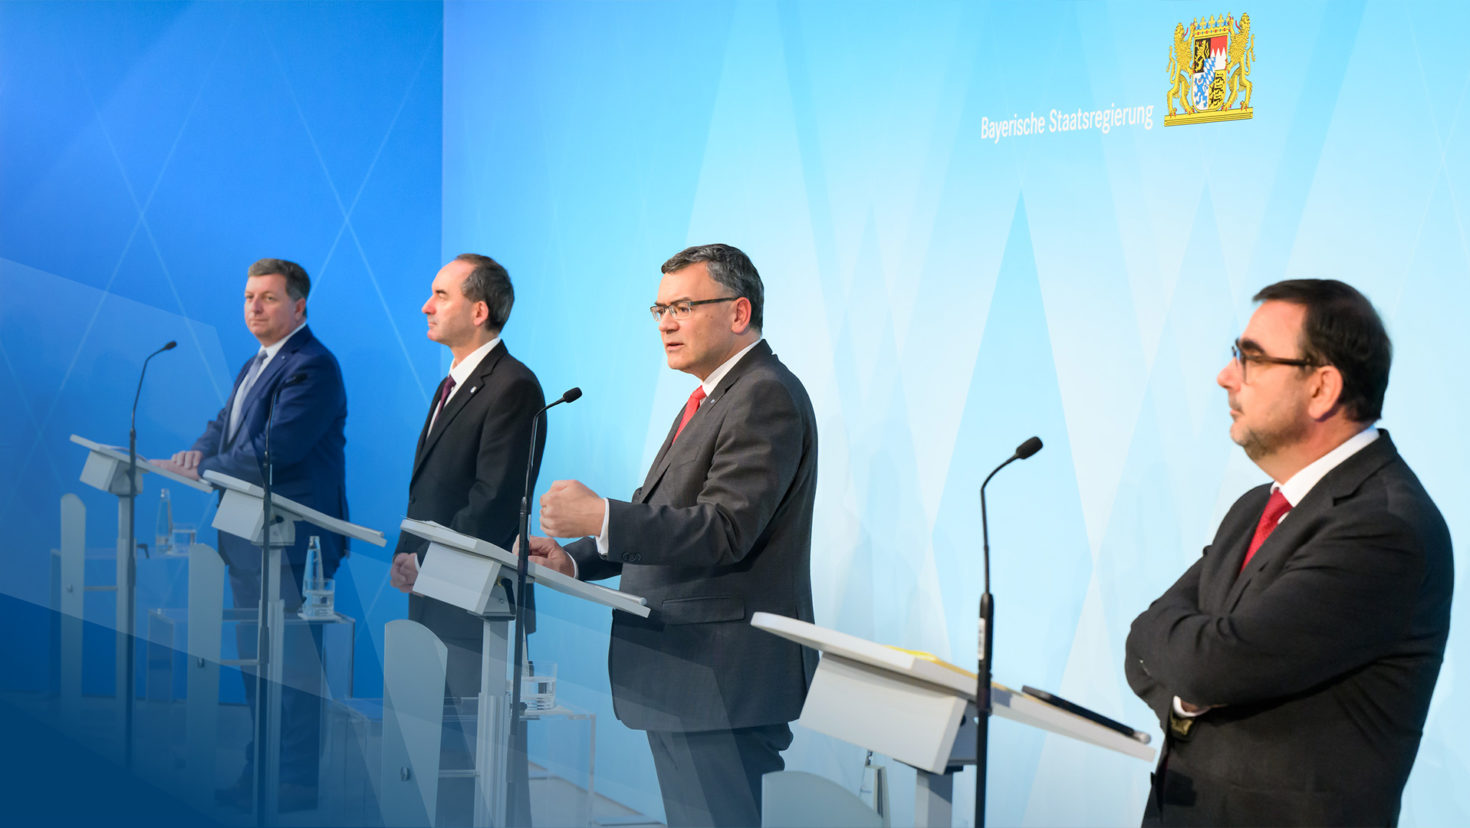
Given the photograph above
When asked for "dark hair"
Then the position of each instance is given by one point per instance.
(1342, 329)
(488, 282)
(729, 267)
(298, 284)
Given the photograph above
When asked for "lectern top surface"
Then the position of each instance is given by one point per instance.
(121, 455)
(298, 511)
(929, 670)
(536, 573)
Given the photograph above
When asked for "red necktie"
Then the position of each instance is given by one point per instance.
(689, 408)
(1276, 508)
(445, 389)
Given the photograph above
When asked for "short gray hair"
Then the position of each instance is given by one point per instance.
(298, 284)
(731, 268)
(488, 282)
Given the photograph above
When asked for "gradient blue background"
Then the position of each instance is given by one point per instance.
(942, 296)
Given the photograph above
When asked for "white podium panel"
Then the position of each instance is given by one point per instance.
(919, 720)
(242, 514)
(466, 572)
(914, 708)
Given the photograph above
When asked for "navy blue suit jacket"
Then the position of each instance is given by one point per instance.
(307, 443)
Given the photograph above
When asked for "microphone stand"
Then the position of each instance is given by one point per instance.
(127, 570)
(518, 812)
(986, 641)
(265, 623)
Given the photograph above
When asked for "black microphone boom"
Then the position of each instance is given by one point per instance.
(517, 810)
(125, 574)
(987, 638)
(263, 654)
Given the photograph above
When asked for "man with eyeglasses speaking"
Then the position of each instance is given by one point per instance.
(1292, 665)
(720, 529)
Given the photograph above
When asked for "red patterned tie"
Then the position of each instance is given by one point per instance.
(689, 408)
(1276, 508)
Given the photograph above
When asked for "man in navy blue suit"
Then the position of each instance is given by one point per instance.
(307, 444)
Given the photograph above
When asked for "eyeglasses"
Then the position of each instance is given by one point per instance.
(1244, 359)
(680, 310)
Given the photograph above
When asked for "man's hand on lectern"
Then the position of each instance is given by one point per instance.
(191, 472)
(405, 572)
(549, 553)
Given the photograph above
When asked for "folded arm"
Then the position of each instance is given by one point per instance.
(1342, 599)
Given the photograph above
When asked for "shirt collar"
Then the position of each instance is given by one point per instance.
(1297, 486)
(462, 369)
(275, 347)
(712, 381)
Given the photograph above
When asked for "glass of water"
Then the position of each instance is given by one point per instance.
(538, 687)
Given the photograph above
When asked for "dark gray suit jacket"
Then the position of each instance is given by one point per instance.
(1323, 652)
(468, 474)
(720, 529)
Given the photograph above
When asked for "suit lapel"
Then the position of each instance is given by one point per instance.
(1285, 536)
(695, 433)
(226, 439)
(660, 464)
(418, 452)
(1342, 482)
(267, 377)
(457, 403)
(1225, 581)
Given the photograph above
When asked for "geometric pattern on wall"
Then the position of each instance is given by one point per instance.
(944, 296)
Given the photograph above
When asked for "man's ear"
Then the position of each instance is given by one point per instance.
(480, 314)
(741, 323)
(1325, 391)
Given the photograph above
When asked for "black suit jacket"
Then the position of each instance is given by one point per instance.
(468, 474)
(720, 529)
(1323, 654)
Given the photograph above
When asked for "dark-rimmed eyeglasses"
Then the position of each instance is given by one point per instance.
(1243, 359)
(680, 310)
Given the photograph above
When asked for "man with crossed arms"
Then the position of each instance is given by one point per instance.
(1292, 665)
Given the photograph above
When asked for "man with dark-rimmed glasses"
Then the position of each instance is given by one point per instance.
(720, 529)
(1291, 666)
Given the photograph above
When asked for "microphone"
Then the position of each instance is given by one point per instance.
(518, 810)
(167, 346)
(987, 638)
(1028, 448)
(133, 442)
(267, 596)
(125, 573)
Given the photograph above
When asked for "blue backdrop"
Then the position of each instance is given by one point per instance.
(943, 290)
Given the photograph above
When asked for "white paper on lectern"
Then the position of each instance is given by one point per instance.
(896, 668)
(536, 573)
(298, 511)
(121, 455)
